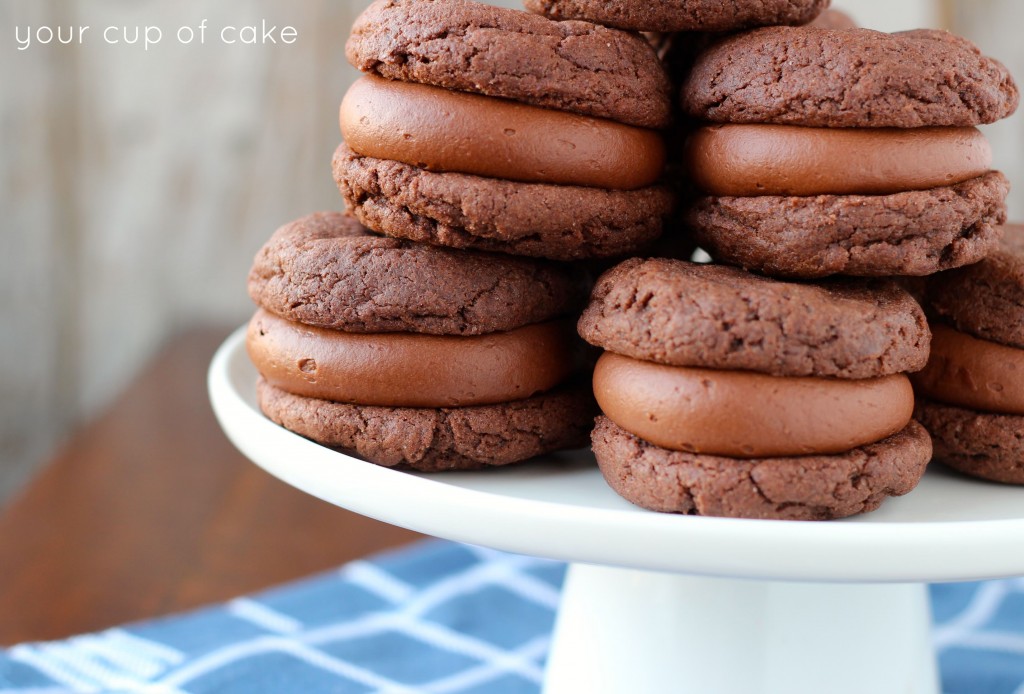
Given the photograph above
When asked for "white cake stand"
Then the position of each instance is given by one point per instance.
(667, 603)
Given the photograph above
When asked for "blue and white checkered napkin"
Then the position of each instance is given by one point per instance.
(436, 617)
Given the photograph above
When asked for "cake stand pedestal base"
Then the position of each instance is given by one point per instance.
(626, 630)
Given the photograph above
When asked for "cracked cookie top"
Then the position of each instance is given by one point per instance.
(468, 46)
(855, 78)
(684, 314)
(328, 270)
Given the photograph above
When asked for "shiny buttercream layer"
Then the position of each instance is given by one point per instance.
(742, 414)
(751, 160)
(410, 369)
(977, 374)
(443, 130)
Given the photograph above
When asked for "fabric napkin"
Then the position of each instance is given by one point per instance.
(433, 617)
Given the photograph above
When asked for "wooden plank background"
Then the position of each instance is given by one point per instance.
(138, 184)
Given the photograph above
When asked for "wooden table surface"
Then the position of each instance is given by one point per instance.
(149, 510)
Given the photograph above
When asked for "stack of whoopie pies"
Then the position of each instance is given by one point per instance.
(485, 149)
(474, 128)
(820, 150)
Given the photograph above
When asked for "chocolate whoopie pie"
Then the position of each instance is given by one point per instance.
(730, 394)
(495, 129)
(971, 394)
(416, 356)
(681, 15)
(846, 151)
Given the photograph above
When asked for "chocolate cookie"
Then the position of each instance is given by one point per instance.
(846, 79)
(799, 488)
(327, 270)
(986, 299)
(469, 46)
(678, 313)
(681, 15)
(981, 444)
(464, 211)
(911, 233)
(433, 440)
